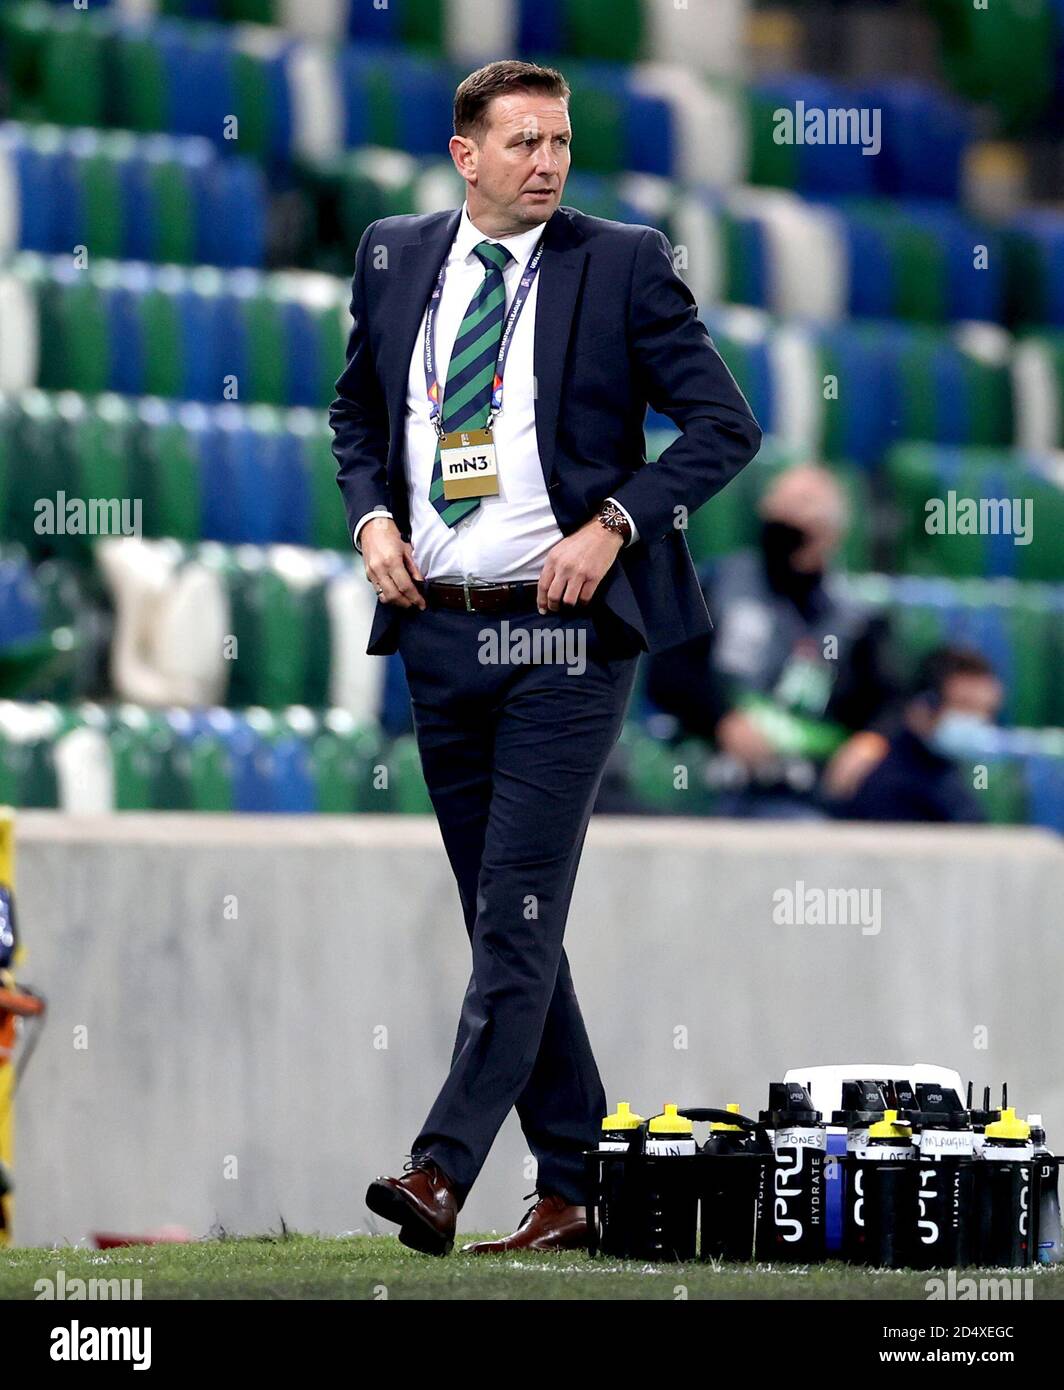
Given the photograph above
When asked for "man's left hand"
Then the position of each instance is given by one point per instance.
(574, 568)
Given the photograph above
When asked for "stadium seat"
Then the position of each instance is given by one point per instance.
(918, 473)
(1018, 627)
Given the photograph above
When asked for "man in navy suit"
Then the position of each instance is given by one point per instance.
(489, 433)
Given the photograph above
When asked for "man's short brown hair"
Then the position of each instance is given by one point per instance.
(479, 89)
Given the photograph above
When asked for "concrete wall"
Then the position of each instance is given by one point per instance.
(259, 1037)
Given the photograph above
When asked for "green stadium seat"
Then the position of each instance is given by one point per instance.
(605, 30)
(407, 793)
(137, 740)
(141, 83)
(209, 775)
(101, 196)
(343, 755)
(73, 74)
(597, 115)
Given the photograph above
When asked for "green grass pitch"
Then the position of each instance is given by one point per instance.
(378, 1267)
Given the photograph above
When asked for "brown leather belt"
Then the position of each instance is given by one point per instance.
(481, 598)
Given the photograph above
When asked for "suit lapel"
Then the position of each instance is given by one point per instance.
(560, 275)
(419, 264)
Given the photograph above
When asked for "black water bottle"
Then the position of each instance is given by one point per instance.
(883, 1194)
(863, 1103)
(616, 1208)
(791, 1221)
(669, 1198)
(1005, 1193)
(733, 1162)
(943, 1236)
(1049, 1249)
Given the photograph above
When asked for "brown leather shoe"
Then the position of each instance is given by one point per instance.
(423, 1202)
(552, 1224)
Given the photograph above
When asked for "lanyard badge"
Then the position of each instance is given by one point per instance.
(467, 457)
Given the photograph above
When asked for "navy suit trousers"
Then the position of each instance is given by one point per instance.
(513, 741)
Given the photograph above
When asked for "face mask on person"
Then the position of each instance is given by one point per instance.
(779, 543)
(958, 733)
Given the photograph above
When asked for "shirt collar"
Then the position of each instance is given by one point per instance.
(520, 246)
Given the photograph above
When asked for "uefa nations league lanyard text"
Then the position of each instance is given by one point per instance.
(432, 385)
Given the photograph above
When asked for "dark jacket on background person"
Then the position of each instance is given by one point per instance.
(759, 631)
(913, 783)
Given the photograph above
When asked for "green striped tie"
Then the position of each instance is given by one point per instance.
(471, 370)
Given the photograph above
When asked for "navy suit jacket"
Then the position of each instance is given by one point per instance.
(616, 328)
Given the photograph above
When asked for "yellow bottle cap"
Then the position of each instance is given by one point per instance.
(1008, 1127)
(623, 1118)
(733, 1106)
(890, 1127)
(669, 1122)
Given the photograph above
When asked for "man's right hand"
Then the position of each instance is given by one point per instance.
(390, 564)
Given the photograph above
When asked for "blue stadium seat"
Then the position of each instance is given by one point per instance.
(648, 135)
(293, 784)
(924, 138)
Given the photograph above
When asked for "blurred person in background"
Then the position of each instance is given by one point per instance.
(793, 668)
(918, 774)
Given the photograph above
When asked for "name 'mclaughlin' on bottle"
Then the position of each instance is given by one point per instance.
(944, 1235)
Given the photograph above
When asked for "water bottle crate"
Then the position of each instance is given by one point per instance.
(797, 1190)
(674, 1207)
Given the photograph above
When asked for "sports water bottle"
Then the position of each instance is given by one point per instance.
(616, 1207)
(790, 1218)
(883, 1195)
(1047, 1178)
(862, 1105)
(945, 1177)
(727, 1137)
(670, 1194)
(732, 1166)
(1004, 1192)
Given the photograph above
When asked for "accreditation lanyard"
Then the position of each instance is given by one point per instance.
(432, 386)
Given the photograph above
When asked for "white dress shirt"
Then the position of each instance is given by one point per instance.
(506, 538)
